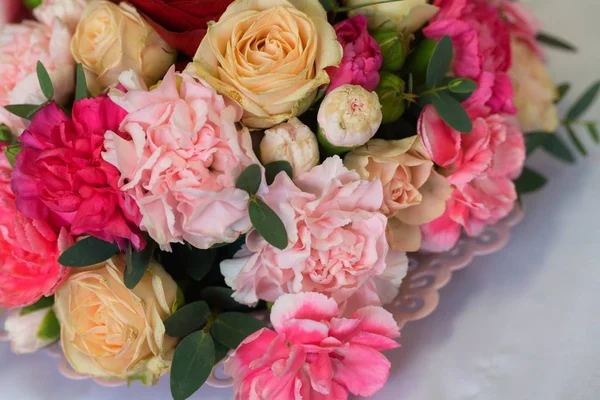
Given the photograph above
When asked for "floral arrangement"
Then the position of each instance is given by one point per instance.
(171, 168)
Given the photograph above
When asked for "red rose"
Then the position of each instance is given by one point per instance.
(181, 23)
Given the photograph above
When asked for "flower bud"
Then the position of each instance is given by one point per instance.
(393, 49)
(29, 332)
(391, 96)
(293, 142)
(348, 117)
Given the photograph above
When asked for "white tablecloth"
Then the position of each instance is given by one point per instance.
(522, 324)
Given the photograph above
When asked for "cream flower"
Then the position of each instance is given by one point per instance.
(32, 331)
(535, 92)
(406, 16)
(110, 331)
(293, 142)
(269, 56)
(413, 193)
(110, 39)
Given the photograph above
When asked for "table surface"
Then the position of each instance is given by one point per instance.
(521, 324)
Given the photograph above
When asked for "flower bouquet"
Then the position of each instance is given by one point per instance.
(174, 170)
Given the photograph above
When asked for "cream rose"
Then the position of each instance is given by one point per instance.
(535, 92)
(406, 16)
(269, 56)
(110, 331)
(413, 193)
(111, 38)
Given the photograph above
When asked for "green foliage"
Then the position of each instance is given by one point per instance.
(584, 102)
(439, 63)
(187, 319)
(137, 263)
(49, 328)
(26, 111)
(451, 111)
(198, 263)
(462, 86)
(45, 81)
(81, 89)
(562, 89)
(268, 224)
(530, 181)
(273, 169)
(44, 302)
(556, 42)
(231, 328)
(88, 251)
(250, 179)
(193, 361)
(220, 298)
(556, 147)
(11, 153)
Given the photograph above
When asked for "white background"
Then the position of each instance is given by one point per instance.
(522, 324)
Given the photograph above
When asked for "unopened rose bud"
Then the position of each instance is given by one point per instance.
(391, 96)
(393, 49)
(348, 117)
(29, 332)
(293, 142)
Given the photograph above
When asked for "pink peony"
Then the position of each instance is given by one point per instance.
(313, 353)
(182, 161)
(336, 238)
(362, 58)
(481, 39)
(61, 177)
(29, 251)
(21, 46)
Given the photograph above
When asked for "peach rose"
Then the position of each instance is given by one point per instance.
(535, 92)
(110, 39)
(269, 56)
(413, 193)
(406, 16)
(110, 331)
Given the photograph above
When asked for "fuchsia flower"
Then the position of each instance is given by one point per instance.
(336, 238)
(362, 58)
(313, 353)
(60, 176)
(481, 39)
(29, 251)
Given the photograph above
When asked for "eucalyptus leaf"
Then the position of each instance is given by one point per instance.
(462, 86)
(187, 319)
(584, 102)
(273, 169)
(88, 251)
(452, 112)
(44, 302)
(81, 89)
(45, 81)
(26, 111)
(137, 264)
(593, 130)
(556, 42)
(250, 179)
(576, 141)
(231, 328)
(328, 5)
(193, 362)
(220, 298)
(557, 148)
(198, 263)
(268, 224)
(530, 181)
(439, 64)
(533, 140)
(220, 352)
(562, 89)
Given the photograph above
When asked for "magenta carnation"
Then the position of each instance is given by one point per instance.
(60, 176)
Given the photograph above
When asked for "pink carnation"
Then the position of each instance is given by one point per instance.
(313, 353)
(362, 57)
(29, 251)
(182, 161)
(481, 39)
(21, 47)
(336, 238)
(60, 176)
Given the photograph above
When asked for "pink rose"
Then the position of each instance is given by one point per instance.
(336, 238)
(481, 39)
(21, 46)
(313, 353)
(60, 176)
(362, 58)
(29, 251)
(182, 161)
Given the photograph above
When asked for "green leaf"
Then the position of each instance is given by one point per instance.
(273, 169)
(220, 352)
(192, 364)
(554, 41)
(591, 127)
(533, 140)
(198, 263)
(45, 81)
(179, 301)
(584, 102)
(49, 327)
(220, 298)
(562, 89)
(231, 328)
(81, 89)
(410, 84)
(11, 153)
(268, 224)
(556, 147)
(137, 264)
(6, 135)
(86, 252)
(530, 181)
(576, 141)
(44, 302)
(250, 179)
(439, 62)
(187, 319)
(328, 5)
(26, 111)
(31, 4)
(452, 112)
(462, 85)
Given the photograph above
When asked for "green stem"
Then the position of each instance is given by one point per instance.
(576, 141)
(351, 8)
(434, 90)
(579, 122)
